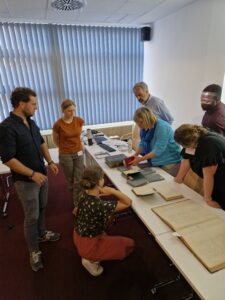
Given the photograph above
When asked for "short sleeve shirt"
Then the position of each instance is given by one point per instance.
(92, 215)
(22, 143)
(69, 135)
(209, 152)
(215, 119)
(158, 107)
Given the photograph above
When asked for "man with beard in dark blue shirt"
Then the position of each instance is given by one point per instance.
(23, 150)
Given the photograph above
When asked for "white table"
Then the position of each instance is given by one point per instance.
(3, 169)
(141, 206)
(54, 152)
(210, 286)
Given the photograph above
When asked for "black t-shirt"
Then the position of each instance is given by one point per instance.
(210, 152)
(92, 215)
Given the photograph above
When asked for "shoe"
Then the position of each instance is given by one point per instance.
(94, 268)
(36, 261)
(49, 236)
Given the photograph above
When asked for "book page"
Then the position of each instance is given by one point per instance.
(143, 190)
(168, 191)
(207, 241)
(133, 170)
(184, 213)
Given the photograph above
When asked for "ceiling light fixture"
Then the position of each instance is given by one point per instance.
(66, 5)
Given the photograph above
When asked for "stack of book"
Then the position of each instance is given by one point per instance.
(114, 161)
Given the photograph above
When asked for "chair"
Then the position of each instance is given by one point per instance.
(5, 191)
(134, 135)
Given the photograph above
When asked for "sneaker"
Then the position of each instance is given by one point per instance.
(49, 236)
(36, 261)
(94, 268)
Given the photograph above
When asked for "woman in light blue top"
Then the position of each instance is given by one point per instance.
(157, 144)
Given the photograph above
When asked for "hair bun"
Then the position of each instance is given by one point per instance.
(85, 184)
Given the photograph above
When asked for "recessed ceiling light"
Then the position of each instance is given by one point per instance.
(66, 5)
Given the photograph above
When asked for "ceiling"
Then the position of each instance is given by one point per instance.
(98, 12)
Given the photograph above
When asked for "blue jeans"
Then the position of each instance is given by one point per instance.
(73, 167)
(34, 200)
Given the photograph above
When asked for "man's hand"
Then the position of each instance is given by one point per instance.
(39, 178)
(53, 167)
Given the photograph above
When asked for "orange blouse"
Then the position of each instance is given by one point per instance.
(69, 135)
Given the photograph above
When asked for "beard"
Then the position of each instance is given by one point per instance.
(27, 114)
(207, 107)
(143, 101)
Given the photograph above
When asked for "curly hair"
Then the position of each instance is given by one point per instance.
(189, 134)
(21, 94)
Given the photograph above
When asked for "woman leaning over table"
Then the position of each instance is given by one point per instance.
(157, 143)
(67, 136)
(203, 152)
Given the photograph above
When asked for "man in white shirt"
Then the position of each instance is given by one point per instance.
(156, 105)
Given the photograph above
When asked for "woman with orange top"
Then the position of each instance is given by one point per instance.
(67, 136)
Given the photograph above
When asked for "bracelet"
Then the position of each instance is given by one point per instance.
(50, 162)
(208, 199)
(30, 177)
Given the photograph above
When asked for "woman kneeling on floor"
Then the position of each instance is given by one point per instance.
(91, 219)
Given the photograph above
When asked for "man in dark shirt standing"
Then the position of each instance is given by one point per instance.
(23, 150)
(214, 117)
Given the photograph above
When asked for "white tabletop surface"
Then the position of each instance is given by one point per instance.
(142, 205)
(210, 286)
(207, 285)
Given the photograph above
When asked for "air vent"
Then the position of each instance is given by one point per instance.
(67, 5)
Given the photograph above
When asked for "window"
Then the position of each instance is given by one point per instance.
(95, 66)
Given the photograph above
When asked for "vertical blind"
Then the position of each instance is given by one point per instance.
(95, 66)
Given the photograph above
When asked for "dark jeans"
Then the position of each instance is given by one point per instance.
(33, 199)
(73, 167)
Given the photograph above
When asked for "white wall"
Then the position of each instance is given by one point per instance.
(187, 53)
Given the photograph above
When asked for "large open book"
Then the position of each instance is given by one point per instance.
(202, 231)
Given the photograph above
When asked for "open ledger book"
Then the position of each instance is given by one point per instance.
(167, 190)
(202, 231)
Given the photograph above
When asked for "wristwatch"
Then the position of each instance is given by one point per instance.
(50, 162)
(30, 177)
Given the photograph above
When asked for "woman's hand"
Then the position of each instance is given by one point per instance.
(136, 161)
(213, 203)
(178, 179)
(53, 167)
